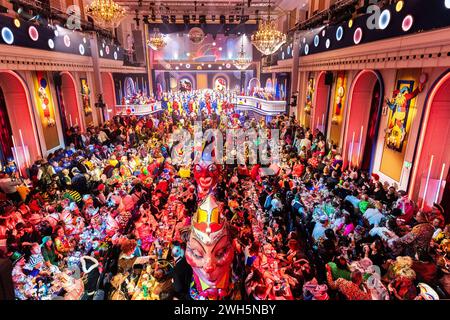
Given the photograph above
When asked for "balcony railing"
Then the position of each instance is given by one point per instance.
(261, 106)
(138, 110)
(242, 103)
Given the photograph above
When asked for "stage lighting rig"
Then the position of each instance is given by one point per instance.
(222, 19)
(245, 18)
(173, 18)
(202, 19)
(145, 19)
(213, 17)
(186, 19)
(165, 19)
(231, 18)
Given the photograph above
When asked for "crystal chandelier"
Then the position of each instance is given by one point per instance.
(157, 41)
(242, 62)
(267, 39)
(106, 13)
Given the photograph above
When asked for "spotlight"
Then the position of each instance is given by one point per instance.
(231, 18)
(165, 19)
(213, 17)
(186, 19)
(173, 19)
(194, 17)
(245, 18)
(153, 17)
(202, 19)
(222, 19)
(136, 18)
(145, 19)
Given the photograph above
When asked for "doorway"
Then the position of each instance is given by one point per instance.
(5, 131)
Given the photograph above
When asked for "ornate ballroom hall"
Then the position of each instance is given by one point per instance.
(224, 150)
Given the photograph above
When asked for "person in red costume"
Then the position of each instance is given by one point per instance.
(206, 174)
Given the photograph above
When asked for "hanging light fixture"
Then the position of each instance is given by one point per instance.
(267, 39)
(242, 62)
(106, 13)
(156, 40)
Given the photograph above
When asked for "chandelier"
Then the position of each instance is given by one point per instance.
(267, 39)
(157, 41)
(106, 13)
(242, 62)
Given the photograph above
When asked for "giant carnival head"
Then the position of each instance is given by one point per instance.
(210, 253)
(206, 174)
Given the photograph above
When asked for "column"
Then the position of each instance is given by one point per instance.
(294, 72)
(97, 84)
(149, 61)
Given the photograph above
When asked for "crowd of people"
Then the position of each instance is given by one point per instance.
(104, 218)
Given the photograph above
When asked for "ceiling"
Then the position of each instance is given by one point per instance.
(253, 8)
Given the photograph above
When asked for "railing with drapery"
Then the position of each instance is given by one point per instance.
(138, 109)
(261, 106)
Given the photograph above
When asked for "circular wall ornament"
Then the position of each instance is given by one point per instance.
(196, 35)
(407, 23)
(385, 19)
(33, 33)
(357, 37)
(67, 41)
(81, 49)
(7, 35)
(316, 41)
(339, 33)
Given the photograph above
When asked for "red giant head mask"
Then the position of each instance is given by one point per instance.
(206, 175)
(209, 251)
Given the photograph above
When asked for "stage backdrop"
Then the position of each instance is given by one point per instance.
(128, 85)
(403, 103)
